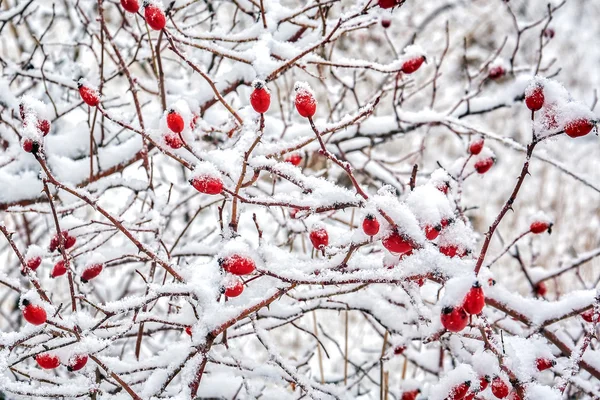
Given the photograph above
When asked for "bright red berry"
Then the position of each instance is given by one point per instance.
(432, 232)
(58, 269)
(387, 3)
(476, 146)
(588, 316)
(540, 227)
(411, 394)
(155, 17)
(44, 126)
(69, 241)
(455, 319)
(395, 243)
(175, 121)
(451, 250)
(89, 95)
(474, 300)
(207, 184)
(130, 5)
(188, 330)
(238, 265)
(412, 65)
(77, 362)
(482, 166)
(294, 159)
(34, 314)
(319, 238)
(47, 361)
(541, 289)
(305, 101)
(173, 140)
(386, 22)
(33, 263)
(496, 72)
(370, 225)
(91, 272)
(234, 288)
(484, 381)
(499, 387)
(260, 98)
(460, 391)
(543, 364)
(579, 127)
(31, 146)
(535, 99)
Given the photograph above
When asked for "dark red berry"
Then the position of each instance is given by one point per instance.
(535, 99)
(459, 392)
(89, 96)
(541, 289)
(294, 159)
(34, 314)
(496, 72)
(69, 241)
(77, 362)
(549, 33)
(305, 102)
(260, 98)
(474, 300)
(155, 17)
(432, 232)
(540, 227)
(130, 5)
(410, 395)
(91, 272)
(387, 3)
(58, 269)
(484, 381)
(482, 166)
(499, 387)
(33, 263)
(207, 184)
(398, 350)
(476, 146)
(234, 288)
(47, 361)
(319, 238)
(412, 65)
(454, 319)
(175, 121)
(579, 127)
(44, 126)
(370, 225)
(451, 250)
(395, 243)
(31, 146)
(543, 364)
(469, 396)
(588, 315)
(173, 140)
(386, 22)
(238, 265)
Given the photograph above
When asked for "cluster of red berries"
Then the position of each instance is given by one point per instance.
(455, 319)
(482, 165)
(176, 125)
(50, 361)
(155, 16)
(42, 125)
(237, 265)
(535, 99)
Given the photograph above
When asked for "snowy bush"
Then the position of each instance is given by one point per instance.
(286, 199)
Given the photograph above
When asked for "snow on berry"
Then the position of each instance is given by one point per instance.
(131, 6)
(260, 99)
(88, 93)
(155, 15)
(304, 99)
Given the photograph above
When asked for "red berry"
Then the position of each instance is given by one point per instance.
(541, 289)
(155, 17)
(68, 240)
(412, 65)
(432, 232)
(370, 225)
(294, 159)
(549, 33)
(579, 127)
(34, 314)
(387, 3)
(469, 396)
(496, 72)
(443, 187)
(260, 98)
(386, 22)
(460, 391)
(395, 243)
(499, 387)
(234, 288)
(31, 146)
(588, 315)
(398, 350)
(476, 146)
(305, 102)
(410, 395)
(445, 222)
(58, 269)
(319, 238)
(543, 364)
(540, 227)
(77, 362)
(188, 330)
(238, 265)
(44, 126)
(91, 272)
(175, 121)
(33, 263)
(535, 99)
(484, 165)
(455, 319)
(474, 300)
(173, 140)
(89, 95)
(207, 184)
(451, 250)
(484, 381)
(130, 5)
(47, 361)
